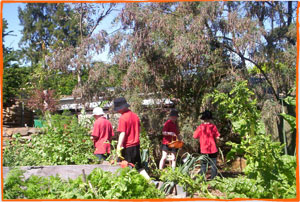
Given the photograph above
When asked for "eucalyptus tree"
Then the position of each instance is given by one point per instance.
(185, 49)
(60, 38)
(272, 50)
(78, 58)
(168, 51)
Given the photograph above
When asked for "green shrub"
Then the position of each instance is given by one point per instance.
(12, 184)
(240, 187)
(267, 167)
(125, 184)
(63, 142)
(278, 183)
(191, 185)
(183, 175)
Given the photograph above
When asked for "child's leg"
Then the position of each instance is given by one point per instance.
(203, 167)
(173, 160)
(163, 159)
(101, 157)
(213, 164)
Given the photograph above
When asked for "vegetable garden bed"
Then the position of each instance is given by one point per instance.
(38, 182)
(64, 171)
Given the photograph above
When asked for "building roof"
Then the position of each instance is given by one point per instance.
(68, 103)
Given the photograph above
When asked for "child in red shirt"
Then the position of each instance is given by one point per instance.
(170, 131)
(208, 134)
(129, 128)
(102, 134)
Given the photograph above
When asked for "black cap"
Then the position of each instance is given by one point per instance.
(120, 103)
(174, 112)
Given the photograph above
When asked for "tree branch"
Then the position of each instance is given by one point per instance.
(109, 10)
(258, 66)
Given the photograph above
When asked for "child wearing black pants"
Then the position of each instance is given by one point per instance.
(208, 134)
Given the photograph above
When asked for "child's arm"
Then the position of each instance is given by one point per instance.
(196, 133)
(166, 130)
(168, 133)
(217, 135)
(217, 140)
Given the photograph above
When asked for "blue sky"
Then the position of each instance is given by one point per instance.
(10, 13)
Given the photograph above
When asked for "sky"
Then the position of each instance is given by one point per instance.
(10, 13)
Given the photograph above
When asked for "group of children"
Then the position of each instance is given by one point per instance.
(129, 144)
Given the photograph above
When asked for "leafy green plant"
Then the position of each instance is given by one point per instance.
(265, 161)
(192, 185)
(147, 148)
(63, 142)
(13, 183)
(241, 187)
(114, 153)
(281, 183)
(182, 175)
(289, 118)
(86, 121)
(125, 184)
(16, 152)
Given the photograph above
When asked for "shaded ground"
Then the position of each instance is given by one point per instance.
(231, 174)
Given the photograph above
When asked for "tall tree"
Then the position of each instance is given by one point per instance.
(168, 50)
(8, 54)
(79, 58)
(273, 48)
(60, 37)
(185, 48)
(4, 32)
(14, 76)
(47, 26)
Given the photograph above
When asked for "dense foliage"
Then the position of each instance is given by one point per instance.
(199, 54)
(14, 80)
(14, 77)
(179, 50)
(125, 184)
(47, 26)
(63, 142)
(290, 100)
(58, 41)
(266, 164)
(281, 185)
(185, 49)
(184, 175)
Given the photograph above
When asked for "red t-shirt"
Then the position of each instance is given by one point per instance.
(169, 126)
(102, 133)
(206, 133)
(129, 123)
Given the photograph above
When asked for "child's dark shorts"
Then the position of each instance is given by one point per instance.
(165, 148)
